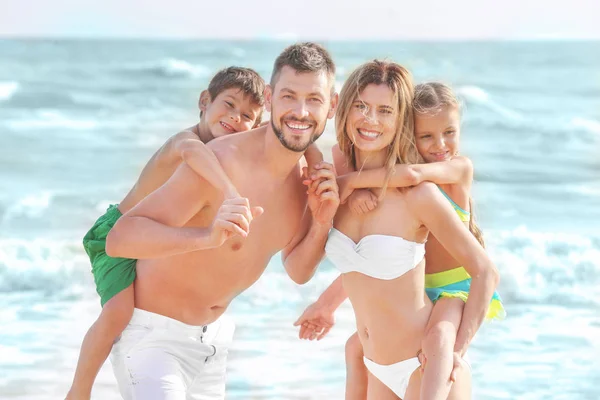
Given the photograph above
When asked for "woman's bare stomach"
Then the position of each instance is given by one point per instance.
(390, 320)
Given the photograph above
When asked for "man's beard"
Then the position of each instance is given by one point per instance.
(296, 147)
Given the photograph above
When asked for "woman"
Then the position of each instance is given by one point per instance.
(381, 253)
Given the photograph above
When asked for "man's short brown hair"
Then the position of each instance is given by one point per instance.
(304, 57)
(245, 79)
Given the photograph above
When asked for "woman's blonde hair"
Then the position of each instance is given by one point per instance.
(398, 79)
(431, 98)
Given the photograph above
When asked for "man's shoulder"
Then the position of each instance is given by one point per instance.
(240, 145)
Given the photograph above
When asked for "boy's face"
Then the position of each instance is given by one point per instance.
(230, 112)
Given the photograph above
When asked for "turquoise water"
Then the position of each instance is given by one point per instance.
(78, 119)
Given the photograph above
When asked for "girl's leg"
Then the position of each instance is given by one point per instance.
(356, 371)
(98, 342)
(438, 348)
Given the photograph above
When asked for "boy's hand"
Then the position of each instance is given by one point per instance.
(233, 218)
(361, 201)
(315, 322)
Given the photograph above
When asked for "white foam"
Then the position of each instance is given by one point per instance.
(42, 264)
(174, 66)
(480, 96)
(8, 89)
(31, 206)
(52, 119)
(589, 125)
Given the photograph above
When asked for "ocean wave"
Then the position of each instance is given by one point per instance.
(170, 68)
(30, 206)
(50, 266)
(535, 268)
(8, 89)
(479, 96)
(51, 119)
(550, 267)
(588, 125)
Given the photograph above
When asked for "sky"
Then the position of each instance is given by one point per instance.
(303, 19)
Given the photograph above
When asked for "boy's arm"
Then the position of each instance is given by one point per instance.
(200, 158)
(456, 170)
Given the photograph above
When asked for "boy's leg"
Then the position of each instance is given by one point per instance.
(438, 348)
(98, 341)
(356, 371)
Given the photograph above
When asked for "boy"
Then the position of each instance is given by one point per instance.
(232, 103)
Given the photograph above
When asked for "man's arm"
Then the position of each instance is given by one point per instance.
(456, 170)
(429, 205)
(307, 248)
(155, 227)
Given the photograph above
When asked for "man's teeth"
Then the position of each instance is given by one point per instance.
(371, 134)
(297, 126)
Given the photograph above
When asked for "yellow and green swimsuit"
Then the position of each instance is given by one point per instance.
(456, 282)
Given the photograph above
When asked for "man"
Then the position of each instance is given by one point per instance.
(198, 248)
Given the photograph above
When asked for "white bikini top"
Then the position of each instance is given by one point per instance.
(378, 256)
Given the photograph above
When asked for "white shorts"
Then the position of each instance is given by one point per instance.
(159, 358)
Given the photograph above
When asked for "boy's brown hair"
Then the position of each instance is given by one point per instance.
(245, 79)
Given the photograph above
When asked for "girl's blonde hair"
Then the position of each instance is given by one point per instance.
(399, 80)
(431, 98)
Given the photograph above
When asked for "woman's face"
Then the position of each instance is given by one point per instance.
(371, 123)
(437, 135)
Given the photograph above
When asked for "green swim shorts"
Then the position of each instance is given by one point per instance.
(111, 275)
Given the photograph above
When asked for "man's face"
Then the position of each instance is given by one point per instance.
(300, 104)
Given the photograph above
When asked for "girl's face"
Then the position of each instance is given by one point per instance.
(371, 123)
(437, 135)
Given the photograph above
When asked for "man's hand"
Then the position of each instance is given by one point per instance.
(323, 193)
(233, 218)
(315, 322)
(362, 201)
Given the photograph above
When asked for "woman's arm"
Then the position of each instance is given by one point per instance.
(428, 204)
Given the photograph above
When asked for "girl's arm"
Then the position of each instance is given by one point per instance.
(456, 170)
(436, 213)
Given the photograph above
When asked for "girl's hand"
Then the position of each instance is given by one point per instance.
(362, 201)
